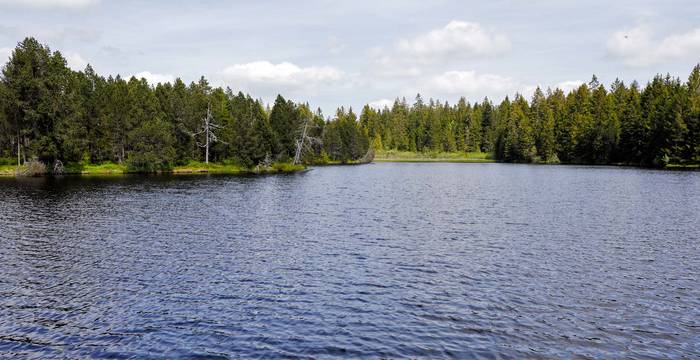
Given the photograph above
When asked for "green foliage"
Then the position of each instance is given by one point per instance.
(95, 169)
(343, 138)
(153, 150)
(49, 112)
(8, 161)
(285, 121)
(435, 156)
(654, 126)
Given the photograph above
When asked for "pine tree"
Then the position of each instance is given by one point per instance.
(284, 121)
(692, 118)
(542, 118)
(53, 113)
(487, 126)
(34, 82)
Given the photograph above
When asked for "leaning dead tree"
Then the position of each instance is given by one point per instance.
(368, 157)
(207, 129)
(304, 142)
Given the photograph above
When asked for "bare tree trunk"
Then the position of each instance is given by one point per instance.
(206, 151)
(209, 135)
(18, 152)
(206, 130)
(305, 142)
(300, 144)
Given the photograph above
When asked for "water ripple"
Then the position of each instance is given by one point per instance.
(379, 261)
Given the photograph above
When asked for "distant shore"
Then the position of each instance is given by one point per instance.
(453, 157)
(481, 157)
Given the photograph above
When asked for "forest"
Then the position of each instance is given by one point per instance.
(652, 126)
(50, 113)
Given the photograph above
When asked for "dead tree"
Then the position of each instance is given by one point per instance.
(58, 168)
(304, 142)
(208, 128)
(369, 156)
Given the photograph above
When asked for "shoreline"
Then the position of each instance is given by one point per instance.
(111, 169)
(394, 156)
(286, 168)
(437, 160)
(436, 157)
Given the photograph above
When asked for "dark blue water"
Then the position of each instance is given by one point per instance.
(382, 260)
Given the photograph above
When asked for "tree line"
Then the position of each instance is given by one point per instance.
(50, 112)
(651, 126)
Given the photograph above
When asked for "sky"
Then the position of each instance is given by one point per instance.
(350, 53)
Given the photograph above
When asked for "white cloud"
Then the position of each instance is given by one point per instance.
(49, 4)
(454, 42)
(75, 61)
(528, 91)
(283, 76)
(381, 104)
(568, 86)
(5, 53)
(154, 79)
(457, 38)
(469, 82)
(637, 46)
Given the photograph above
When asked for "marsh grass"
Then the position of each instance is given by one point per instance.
(410, 156)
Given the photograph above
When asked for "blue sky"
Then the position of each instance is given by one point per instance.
(333, 53)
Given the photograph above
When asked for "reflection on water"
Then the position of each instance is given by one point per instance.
(393, 260)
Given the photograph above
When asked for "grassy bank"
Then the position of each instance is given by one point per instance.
(409, 156)
(108, 168)
(8, 170)
(683, 166)
(338, 163)
(193, 167)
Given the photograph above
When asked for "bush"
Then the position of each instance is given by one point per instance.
(147, 162)
(32, 168)
(553, 159)
(8, 161)
(153, 147)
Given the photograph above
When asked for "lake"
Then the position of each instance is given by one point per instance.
(379, 260)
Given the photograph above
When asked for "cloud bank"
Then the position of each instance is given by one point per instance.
(268, 78)
(457, 38)
(638, 47)
(154, 78)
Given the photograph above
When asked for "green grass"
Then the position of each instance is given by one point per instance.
(8, 170)
(683, 166)
(194, 167)
(337, 162)
(107, 168)
(410, 156)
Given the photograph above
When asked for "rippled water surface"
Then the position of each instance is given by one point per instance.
(382, 260)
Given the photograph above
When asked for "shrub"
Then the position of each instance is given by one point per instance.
(8, 161)
(32, 168)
